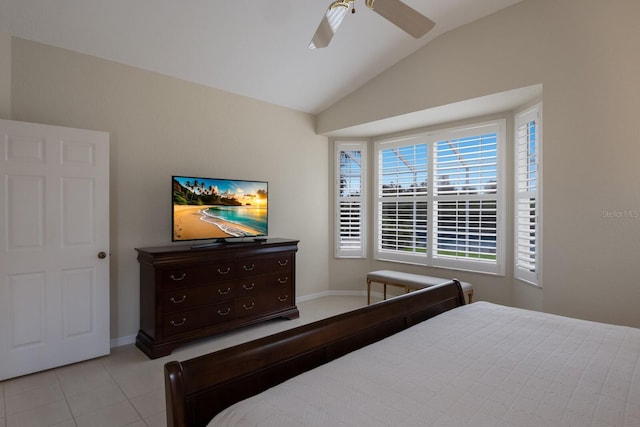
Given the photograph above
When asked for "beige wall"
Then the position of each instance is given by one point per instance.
(585, 54)
(161, 126)
(5, 76)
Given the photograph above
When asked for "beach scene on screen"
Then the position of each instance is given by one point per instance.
(205, 208)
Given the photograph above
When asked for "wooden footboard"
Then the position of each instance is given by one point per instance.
(197, 389)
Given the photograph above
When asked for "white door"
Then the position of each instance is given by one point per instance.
(54, 246)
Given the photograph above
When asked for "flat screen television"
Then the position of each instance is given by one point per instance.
(218, 209)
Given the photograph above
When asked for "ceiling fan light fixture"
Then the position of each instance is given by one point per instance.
(335, 14)
(395, 11)
(339, 3)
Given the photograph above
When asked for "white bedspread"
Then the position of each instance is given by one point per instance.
(478, 365)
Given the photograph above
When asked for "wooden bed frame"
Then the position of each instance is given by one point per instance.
(197, 389)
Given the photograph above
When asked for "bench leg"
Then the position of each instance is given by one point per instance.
(368, 291)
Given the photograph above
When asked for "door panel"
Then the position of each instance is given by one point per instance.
(77, 212)
(25, 212)
(26, 309)
(54, 290)
(77, 297)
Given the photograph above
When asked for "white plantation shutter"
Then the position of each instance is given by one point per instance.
(351, 161)
(467, 199)
(401, 190)
(527, 197)
(439, 199)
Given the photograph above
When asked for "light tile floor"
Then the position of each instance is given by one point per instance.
(126, 388)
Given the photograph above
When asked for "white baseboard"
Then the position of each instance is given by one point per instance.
(119, 342)
(330, 294)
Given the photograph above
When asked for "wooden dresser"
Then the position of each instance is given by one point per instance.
(187, 294)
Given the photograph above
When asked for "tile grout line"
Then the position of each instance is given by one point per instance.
(66, 400)
(115, 381)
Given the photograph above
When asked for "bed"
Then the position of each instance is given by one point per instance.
(420, 359)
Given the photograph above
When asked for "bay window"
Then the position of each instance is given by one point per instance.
(527, 195)
(350, 207)
(440, 198)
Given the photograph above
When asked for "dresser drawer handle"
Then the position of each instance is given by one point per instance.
(176, 278)
(225, 271)
(249, 307)
(248, 287)
(182, 322)
(221, 292)
(178, 301)
(283, 281)
(284, 298)
(249, 267)
(282, 263)
(224, 313)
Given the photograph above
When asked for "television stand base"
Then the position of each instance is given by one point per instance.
(215, 243)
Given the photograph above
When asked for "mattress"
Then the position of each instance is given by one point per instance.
(481, 364)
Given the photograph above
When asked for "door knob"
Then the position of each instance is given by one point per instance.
(102, 255)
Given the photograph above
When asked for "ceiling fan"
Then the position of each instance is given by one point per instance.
(395, 11)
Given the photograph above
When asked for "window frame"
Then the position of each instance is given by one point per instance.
(521, 119)
(467, 264)
(410, 257)
(431, 138)
(360, 249)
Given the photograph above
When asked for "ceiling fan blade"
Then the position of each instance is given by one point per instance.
(329, 25)
(405, 17)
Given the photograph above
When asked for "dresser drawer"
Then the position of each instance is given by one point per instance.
(191, 320)
(282, 262)
(278, 262)
(248, 286)
(190, 298)
(197, 275)
(188, 294)
(267, 300)
(251, 285)
(282, 278)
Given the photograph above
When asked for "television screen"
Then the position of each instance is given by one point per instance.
(210, 208)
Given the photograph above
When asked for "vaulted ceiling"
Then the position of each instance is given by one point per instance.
(254, 48)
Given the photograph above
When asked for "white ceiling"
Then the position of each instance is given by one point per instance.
(255, 48)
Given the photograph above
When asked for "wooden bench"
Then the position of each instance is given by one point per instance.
(409, 282)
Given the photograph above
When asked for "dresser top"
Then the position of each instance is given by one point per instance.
(189, 253)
